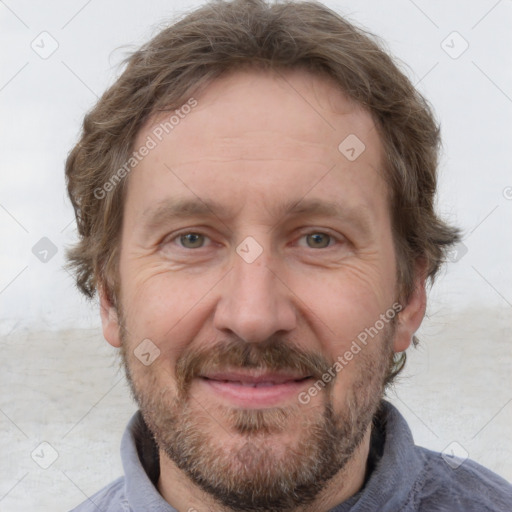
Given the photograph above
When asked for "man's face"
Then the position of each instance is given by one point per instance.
(255, 286)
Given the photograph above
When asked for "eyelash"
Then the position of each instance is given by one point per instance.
(337, 239)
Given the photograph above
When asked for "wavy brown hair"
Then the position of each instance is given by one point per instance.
(222, 37)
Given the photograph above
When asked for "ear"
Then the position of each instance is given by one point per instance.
(109, 318)
(412, 314)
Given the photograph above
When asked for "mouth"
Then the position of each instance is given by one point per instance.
(254, 389)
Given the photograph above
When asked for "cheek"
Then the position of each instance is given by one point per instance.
(346, 302)
(166, 307)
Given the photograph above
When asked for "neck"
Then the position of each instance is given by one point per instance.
(182, 494)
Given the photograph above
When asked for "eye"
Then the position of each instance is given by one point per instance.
(194, 240)
(318, 240)
(191, 240)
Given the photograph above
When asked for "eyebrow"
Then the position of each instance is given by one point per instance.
(183, 208)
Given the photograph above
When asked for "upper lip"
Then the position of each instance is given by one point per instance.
(255, 377)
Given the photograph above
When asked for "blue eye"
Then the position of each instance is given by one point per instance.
(318, 240)
(192, 240)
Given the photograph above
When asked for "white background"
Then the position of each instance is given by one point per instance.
(59, 379)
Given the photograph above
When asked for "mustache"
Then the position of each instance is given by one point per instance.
(274, 354)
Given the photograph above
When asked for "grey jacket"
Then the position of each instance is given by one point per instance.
(405, 477)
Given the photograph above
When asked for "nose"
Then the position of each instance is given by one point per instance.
(255, 303)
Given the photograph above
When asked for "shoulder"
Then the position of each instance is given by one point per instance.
(468, 487)
(109, 499)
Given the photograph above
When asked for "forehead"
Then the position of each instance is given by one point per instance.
(275, 133)
(293, 104)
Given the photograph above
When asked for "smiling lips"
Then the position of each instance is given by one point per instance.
(251, 389)
(255, 379)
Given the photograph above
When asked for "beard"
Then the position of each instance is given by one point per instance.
(259, 469)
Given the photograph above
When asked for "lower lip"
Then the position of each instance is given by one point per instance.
(251, 397)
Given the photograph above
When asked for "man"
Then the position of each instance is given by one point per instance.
(254, 198)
